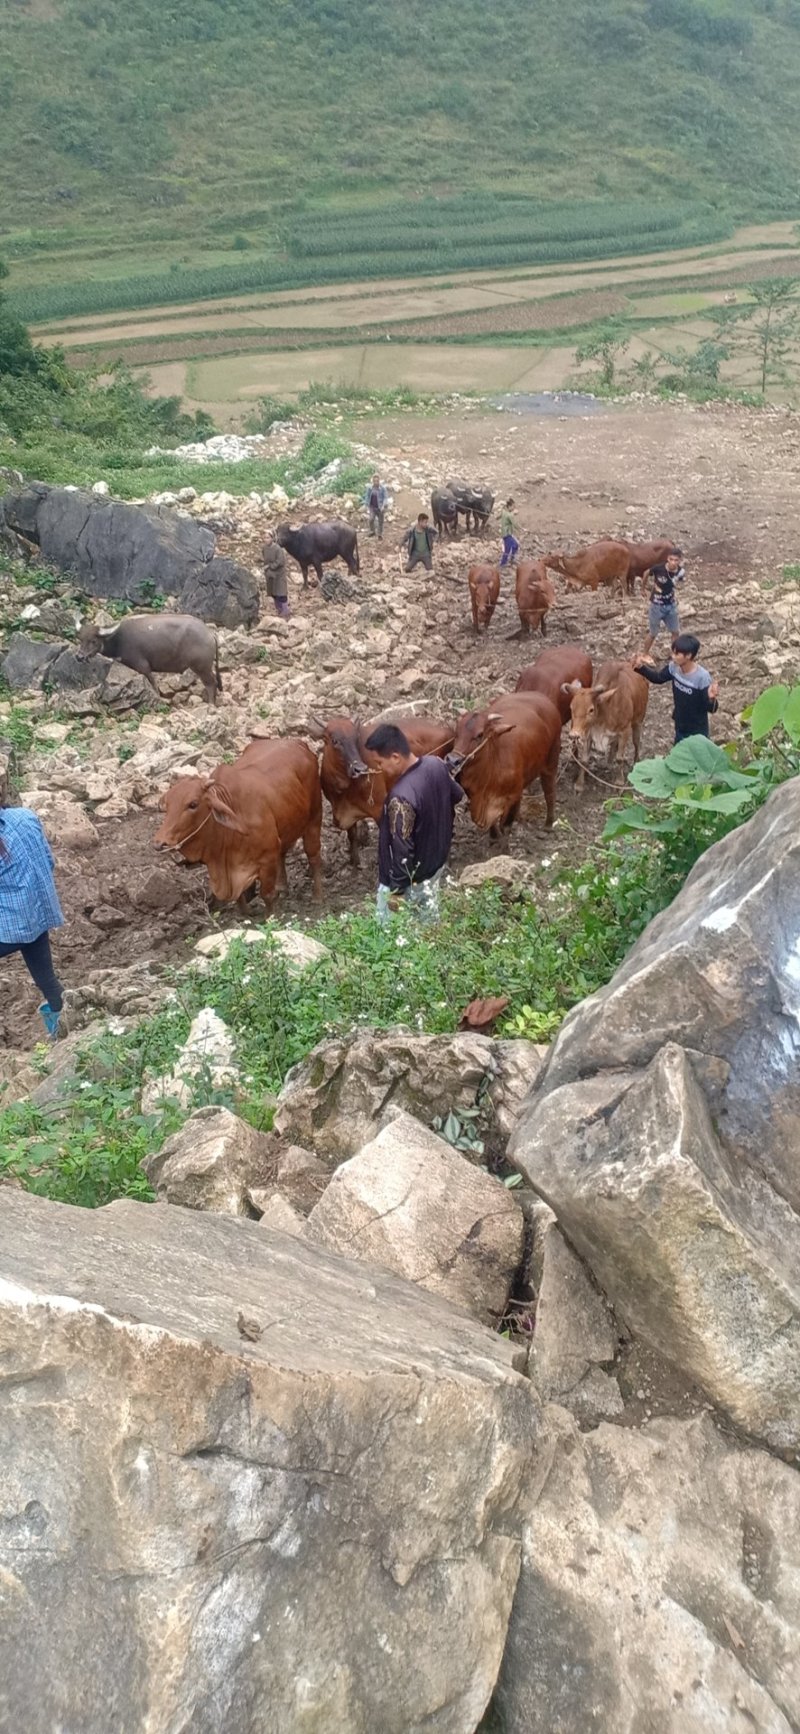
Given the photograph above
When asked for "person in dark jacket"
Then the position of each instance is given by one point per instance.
(29, 906)
(415, 833)
(419, 542)
(694, 691)
(274, 563)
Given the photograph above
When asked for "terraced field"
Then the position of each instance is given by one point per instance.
(481, 331)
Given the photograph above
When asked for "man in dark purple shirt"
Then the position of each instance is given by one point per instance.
(416, 826)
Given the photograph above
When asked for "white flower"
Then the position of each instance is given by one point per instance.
(401, 939)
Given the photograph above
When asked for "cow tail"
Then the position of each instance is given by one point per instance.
(216, 662)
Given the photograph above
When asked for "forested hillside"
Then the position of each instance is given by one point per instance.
(218, 121)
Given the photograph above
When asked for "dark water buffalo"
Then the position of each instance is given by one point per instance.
(316, 544)
(444, 508)
(158, 644)
(475, 503)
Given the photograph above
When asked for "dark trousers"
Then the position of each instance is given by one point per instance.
(39, 963)
(425, 560)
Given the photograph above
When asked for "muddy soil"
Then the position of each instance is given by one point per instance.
(722, 482)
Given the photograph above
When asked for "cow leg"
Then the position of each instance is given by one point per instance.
(281, 881)
(210, 693)
(268, 872)
(511, 816)
(318, 569)
(313, 854)
(636, 731)
(624, 740)
(304, 570)
(548, 780)
(581, 762)
(352, 844)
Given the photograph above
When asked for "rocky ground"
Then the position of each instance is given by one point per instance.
(720, 480)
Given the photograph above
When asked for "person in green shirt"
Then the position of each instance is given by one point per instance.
(419, 543)
(508, 528)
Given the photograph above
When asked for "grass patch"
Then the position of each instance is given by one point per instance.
(544, 955)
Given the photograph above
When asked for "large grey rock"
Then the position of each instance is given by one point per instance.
(665, 1130)
(718, 972)
(699, 1258)
(224, 592)
(113, 548)
(71, 672)
(27, 661)
(67, 824)
(211, 1163)
(340, 1096)
(245, 1485)
(410, 1203)
(660, 1587)
(574, 1331)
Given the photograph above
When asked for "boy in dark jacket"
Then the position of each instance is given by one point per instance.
(694, 692)
(419, 543)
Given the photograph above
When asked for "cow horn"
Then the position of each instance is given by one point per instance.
(105, 631)
(493, 716)
(315, 728)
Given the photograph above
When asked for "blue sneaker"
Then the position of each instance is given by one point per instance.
(50, 1019)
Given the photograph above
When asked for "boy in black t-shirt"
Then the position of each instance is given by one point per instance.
(663, 609)
(694, 692)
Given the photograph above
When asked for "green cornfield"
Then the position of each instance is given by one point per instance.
(429, 236)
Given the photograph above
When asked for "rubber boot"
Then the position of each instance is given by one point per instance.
(50, 1019)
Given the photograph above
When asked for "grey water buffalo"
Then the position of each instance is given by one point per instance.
(158, 644)
(317, 544)
(475, 503)
(444, 509)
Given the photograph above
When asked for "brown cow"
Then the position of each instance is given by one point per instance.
(351, 782)
(536, 594)
(643, 555)
(601, 563)
(497, 752)
(612, 709)
(241, 821)
(484, 589)
(553, 673)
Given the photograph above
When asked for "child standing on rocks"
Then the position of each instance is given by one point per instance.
(663, 609)
(29, 905)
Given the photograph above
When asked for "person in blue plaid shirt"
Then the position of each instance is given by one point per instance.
(29, 906)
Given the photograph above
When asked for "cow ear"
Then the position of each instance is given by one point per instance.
(315, 728)
(605, 692)
(571, 686)
(500, 728)
(222, 810)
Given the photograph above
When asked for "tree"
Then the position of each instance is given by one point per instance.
(767, 328)
(17, 354)
(606, 343)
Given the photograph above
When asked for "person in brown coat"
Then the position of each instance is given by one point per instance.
(275, 572)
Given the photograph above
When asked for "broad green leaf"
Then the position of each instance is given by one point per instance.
(652, 777)
(627, 819)
(730, 801)
(697, 760)
(768, 711)
(791, 716)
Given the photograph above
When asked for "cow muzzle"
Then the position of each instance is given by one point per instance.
(454, 761)
(357, 768)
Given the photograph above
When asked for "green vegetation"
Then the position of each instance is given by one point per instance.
(89, 1148)
(142, 144)
(700, 792)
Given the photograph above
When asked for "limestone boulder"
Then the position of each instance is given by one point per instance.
(719, 972)
(222, 591)
(130, 992)
(574, 1331)
(665, 1128)
(298, 1175)
(412, 1204)
(211, 1163)
(339, 1097)
(67, 824)
(660, 1586)
(503, 870)
(245, 1484)
(281, 1216)
(112, 547)
(26, 662)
